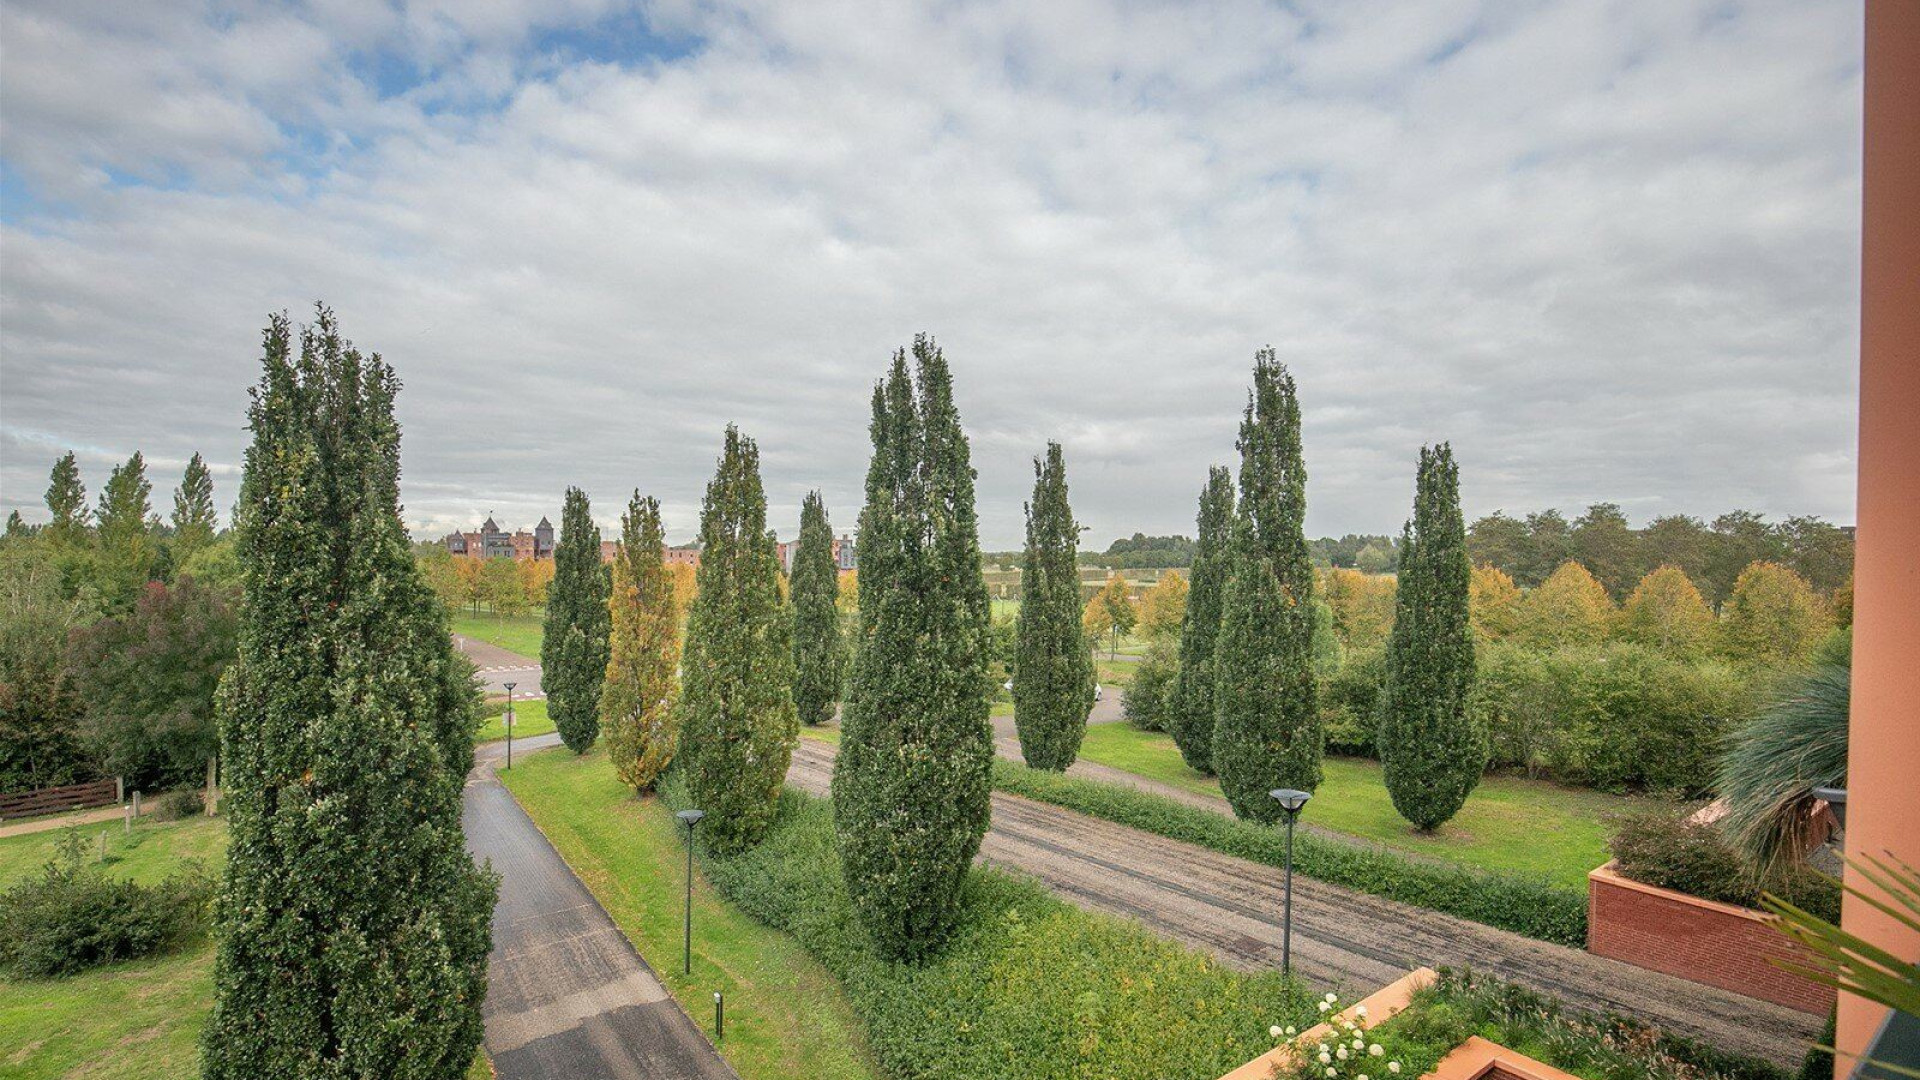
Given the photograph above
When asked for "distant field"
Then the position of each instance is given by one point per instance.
(515, 633)
(1509, 823)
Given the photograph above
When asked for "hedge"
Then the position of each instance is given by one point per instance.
(1028, 985)
(1523, 904)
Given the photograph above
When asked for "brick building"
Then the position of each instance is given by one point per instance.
(843, 555)
(490, 541)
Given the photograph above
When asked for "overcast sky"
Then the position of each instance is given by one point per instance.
(1608, 249)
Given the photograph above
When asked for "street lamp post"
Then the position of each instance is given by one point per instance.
(509, 725)
(692, 818)
(1291, 802)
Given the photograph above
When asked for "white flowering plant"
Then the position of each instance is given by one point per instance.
(1339, 1050)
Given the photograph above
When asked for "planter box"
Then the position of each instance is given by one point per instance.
(1720, 945)
(1478, 1059)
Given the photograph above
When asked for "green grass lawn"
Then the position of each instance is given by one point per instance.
(515, 633)
(1509, 823)
(529, 719)
(137, 1020)
(787, 1016)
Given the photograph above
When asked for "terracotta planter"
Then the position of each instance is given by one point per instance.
(1720, 945)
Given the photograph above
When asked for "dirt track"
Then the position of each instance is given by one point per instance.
(1341, 938)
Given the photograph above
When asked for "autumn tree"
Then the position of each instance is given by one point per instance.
(536, 576)
(1362, 606)
(1569, 608)
(819, 650)
(1432, 749)
(353, 926)
(638, 711)
(1163, 608)
(737, 718)
(1267, 729)
(1110, 613)
(1493, 601)
(913, 781)
(573, 647)
(1773, 617)
(1190, 709)
(1053, 666)
(500, 584)
(1666, 612)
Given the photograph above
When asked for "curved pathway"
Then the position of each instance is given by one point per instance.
(497, 666)
(568, 998)
(1230, 907)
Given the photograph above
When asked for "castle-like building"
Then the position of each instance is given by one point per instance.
(493, 542)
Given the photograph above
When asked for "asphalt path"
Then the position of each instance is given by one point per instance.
(498, 667)
(568, 998)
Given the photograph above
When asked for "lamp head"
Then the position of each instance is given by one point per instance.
(1290, 800)
(509, 687)
(691, 817)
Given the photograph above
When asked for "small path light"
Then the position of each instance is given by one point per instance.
(509, 725)
(719, 1017)
(692, 818)
(1292, 802)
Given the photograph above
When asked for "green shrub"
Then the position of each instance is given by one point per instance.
(1150, 694)
(1663, 848)
(73, 916)
(180, 803)
(1027, 985)
(1350, 702)
(1526, 905)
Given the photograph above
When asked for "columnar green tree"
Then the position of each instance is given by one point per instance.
(67, 501)
(637, 704)
(1267, 731)
(913, 780)
(573, 649)
(819, 651)
(1190, 716)
(353, 925)
(193, 517)
(738, 724)
(125, 557)
(1432, 749)
(1053, 665)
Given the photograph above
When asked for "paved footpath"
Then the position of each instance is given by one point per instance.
(498, 667)
(568, 998)
(1230, 907)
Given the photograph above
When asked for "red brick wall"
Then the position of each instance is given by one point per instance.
(1716, 944)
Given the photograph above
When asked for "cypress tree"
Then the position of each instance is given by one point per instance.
(1267, 731)
(818, 650)
(912, 784)
(736, 700)
(637, 707)
(193, 517)
(353, 926)
(125, 559)
(1432, 751)
(1190, 718)
(573, 648)
(1053, 665)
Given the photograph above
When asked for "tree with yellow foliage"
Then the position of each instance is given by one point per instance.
(1362, 605)
(535, 576)
(1773, 617)
(637, 713)
(1164, 607)
(1110, 613)
(1668, 613)
(1571, 607)
(1493, 600)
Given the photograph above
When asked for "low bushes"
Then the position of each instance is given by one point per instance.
(1525, 905)
(73, 916)
(1665, 849)
(1150, 694)
(1027, 986)
(1443, 1015)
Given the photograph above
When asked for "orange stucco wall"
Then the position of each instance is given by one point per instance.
(1883, 766)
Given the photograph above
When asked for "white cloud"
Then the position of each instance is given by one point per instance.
(1608, 249)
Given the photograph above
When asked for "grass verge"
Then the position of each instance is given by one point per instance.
(1509, 824)
(529, 719)
(514, 633)
(787, 1016)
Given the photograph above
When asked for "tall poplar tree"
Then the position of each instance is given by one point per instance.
(1190, 717)
(912, 784)
(67, 501)
(637, 703)
(1267, 732)
(573, 648)
(193, 515)
(1432, 751)
(125, 557)
(738, 724)
(819, 652)
(353, 926)
(1053, 664)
